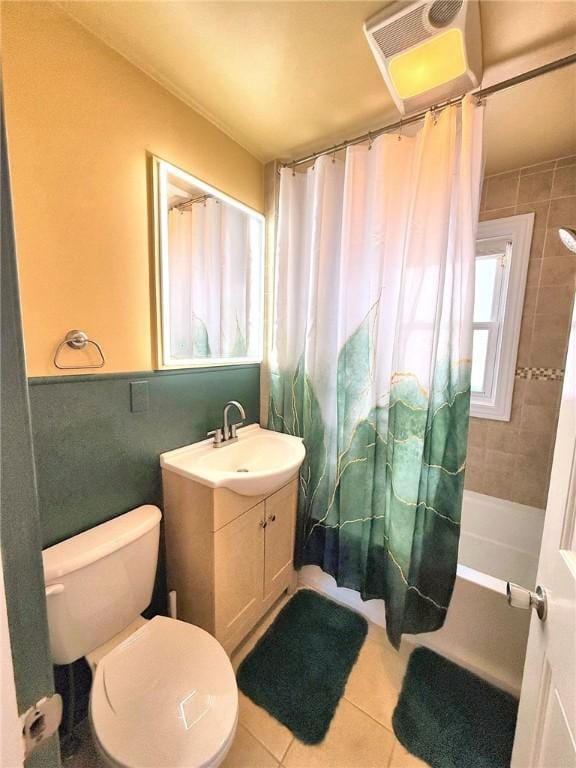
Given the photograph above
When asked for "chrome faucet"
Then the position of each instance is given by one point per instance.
(230, 431)
(227, 433)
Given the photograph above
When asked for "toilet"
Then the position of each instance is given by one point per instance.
(164, 693)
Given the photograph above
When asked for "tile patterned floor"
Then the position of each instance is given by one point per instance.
(360, 735)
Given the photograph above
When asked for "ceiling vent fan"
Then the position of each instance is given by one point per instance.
(427, 52)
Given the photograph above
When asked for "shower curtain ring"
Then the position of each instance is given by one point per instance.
(400, 131)
(369, 141)
(334, 154)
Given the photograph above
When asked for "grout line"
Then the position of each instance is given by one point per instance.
(506, 173)
(535, 165)
(562, 197)
(389, 763)
(287, 748)
(262, 743)
(565, 157)
(387, 728)
(500, 208)
(528, 202)
(259, 739)
(535, 173)
(544, 244)
(531, 320)
(542, 200)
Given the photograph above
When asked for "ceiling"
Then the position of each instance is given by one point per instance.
(283, 78)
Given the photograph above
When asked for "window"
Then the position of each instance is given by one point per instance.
(502, 252)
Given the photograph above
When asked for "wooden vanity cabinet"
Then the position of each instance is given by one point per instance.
(229, 557)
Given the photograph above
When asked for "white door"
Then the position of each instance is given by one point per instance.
(546, 730)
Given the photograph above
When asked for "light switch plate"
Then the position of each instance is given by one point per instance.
(139, 399)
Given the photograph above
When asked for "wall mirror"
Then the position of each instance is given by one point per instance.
(209, 273)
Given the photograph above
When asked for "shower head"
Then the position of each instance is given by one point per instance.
(568, 237)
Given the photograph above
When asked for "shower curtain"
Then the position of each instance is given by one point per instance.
(214, 252)
(370, 360)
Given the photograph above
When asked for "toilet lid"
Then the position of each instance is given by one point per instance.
(165, 697)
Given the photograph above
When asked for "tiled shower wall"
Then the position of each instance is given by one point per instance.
(512, 460)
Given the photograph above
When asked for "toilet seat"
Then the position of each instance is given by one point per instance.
(166, 697)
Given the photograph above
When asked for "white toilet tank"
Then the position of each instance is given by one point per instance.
(98, 582)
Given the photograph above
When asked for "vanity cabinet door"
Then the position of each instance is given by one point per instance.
(279, 554)
(238, 568)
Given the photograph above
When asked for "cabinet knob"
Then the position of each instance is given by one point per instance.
(272, 518)
(263, 523)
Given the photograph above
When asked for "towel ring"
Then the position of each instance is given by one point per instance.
(78, 340)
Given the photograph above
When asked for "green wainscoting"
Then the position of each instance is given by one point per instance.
(96, 457)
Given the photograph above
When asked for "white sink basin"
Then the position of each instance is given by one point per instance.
(258, 463)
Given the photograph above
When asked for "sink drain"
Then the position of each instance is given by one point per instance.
(242, 470)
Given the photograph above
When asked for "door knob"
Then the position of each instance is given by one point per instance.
(263, 523)
(520, 597)
(272, 518)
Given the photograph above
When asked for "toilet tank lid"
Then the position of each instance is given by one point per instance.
(94, 544)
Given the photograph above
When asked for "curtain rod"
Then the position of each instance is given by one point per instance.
(191, 201)
(481, 94)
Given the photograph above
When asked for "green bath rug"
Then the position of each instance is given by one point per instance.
(299, 668)
(452, 719)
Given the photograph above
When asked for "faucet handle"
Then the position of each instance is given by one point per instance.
(233, 434)
(217, 435)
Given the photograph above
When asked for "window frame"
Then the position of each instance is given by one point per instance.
(496, 403)
(494, 326)
(163, 360)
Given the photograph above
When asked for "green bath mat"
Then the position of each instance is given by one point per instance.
(299, 668)
(452, 719)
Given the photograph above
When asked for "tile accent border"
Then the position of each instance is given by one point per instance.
(540, 374)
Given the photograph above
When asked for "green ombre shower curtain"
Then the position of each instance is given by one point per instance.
(370, 359)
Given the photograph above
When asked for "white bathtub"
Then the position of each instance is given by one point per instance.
(499, 542)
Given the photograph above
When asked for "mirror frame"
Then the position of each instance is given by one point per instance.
(159, 233)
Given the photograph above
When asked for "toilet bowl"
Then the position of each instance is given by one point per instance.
(164, 693)
(166, 697)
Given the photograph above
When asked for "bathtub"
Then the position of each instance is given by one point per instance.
(499, 542)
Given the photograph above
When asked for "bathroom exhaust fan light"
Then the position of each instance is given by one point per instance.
(428, 52)
(429, 64)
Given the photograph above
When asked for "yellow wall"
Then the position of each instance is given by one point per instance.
(80, 121)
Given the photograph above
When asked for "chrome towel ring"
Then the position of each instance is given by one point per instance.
(78, 340)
